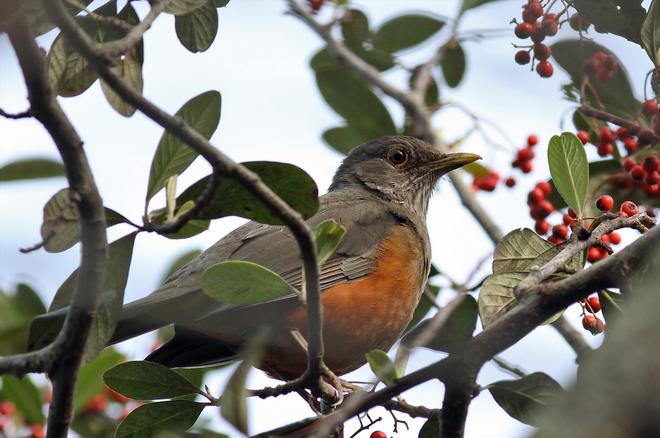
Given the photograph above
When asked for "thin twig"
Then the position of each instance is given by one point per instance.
(22, 115)
(506, 366)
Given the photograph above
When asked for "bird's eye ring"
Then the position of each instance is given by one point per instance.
(397, 156)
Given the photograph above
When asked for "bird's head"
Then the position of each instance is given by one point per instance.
(399, 169)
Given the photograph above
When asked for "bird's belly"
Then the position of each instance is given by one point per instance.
(359, 316)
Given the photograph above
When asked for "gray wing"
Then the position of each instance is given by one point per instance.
(180, 299)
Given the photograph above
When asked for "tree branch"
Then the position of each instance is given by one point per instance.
(223, 164)
(61, 359)
(22, 115)
(619, 121)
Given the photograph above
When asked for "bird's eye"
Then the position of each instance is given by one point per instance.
(397, 156)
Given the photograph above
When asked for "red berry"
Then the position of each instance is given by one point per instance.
(7, 408)
(571, 213)
(525, 154)
(526, 167)
(522, 57)
(535, 196)
(605, 149)
(488, 184)
(378, 434)
(560, 231)
(651, 163)
(594, 303)
(510, 182)
(544, 69)
(589, 322)
(605, 238)
(545, 187)
(605, 203)
(555, 240)
(583, 136)
(615, 238)
(645, 137)
(545, 207)
(578, 23)
(541, 51)
(96, 404)
(600, 327)
(629, 163)
(596, 253)
(606, 135)
(650, 107)
(652, 178)
(534, 8)
(631, 145)
(532, 140)
(549, 24)
(36, 431)
(537, 34)
(637, 172)
(622, 133)
(523, 30)
(542, 227)
(316, 4)
(628, 208)
(568, 221)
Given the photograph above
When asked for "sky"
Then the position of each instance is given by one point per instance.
(272, 110)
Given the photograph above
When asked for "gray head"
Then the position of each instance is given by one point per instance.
(400, 169)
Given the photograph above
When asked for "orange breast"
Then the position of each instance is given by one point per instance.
(366, 314)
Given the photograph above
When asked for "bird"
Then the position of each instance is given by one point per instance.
(370, 285)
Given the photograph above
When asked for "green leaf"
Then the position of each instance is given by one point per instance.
(60, 229)
(151, 419)
(518, 251)
(525, 399)
(233, 404)
(289, 182)
(611, 303)
(328, 235)
(46, 327)
(143, 380)
(27, 302)
(355, 28)
(476, 169)
(31, 168)
(197, 29)
(616, 94)
(620, 17)
(173, 156)
(352, 99)
(382, 366)
(651, 33)
(496, 296)
(180, 262)
(240, 282)
(220, 3)
(128, 67)
(431, 429)
(69, 73)
(25, 395)
(425, 304)
(191, 228)
(405, 31)
(179, 7)
(569, 169)
(89, 381)
(453, 65)
(344, 138)
(471, 4)
(456, 330)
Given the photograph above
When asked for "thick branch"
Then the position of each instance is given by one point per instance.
(220, 162)
(62, 358)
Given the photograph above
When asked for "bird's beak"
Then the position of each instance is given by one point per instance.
(449, 162)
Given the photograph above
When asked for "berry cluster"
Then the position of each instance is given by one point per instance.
(645, 174)
(7, 411)
(590, 322)
(600, 66)
(523, 161)
(524, 156)
(540, 208)
(537, 24)
(486, 183)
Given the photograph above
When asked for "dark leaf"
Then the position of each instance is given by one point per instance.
(25, 395)
(470, 4)
(173, 156)
(69, 73)
(343, 138)
(197, 29)
(569, 169)
(31, 168)
(453, 65)
(220, 3)
(496, 296)
(289, 182)
(89, 381)
(352, 98)
(61, 227)
(143, 380)
(431, 429)
(151, 419)
(382, 366)
(27, 302)
(525, 399)
(328, 235)
(651, 33)
(611, 303)
(405, 31)
(241, 282)
(620, 17)
(179, 7)
(355, 28)
(616, 94)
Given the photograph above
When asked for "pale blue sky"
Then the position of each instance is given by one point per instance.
(272, 110)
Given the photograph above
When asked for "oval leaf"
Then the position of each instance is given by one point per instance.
(152, 419)
(328, 235)
(623, 18)
(569, 169)
(241, 282)
(289, 182)
(382, 366)
(344, 138)
(355, 28)
(431, 429)
(173, 156)
(518, 250)
(197, 29)
(31, 168)
(453, 65)
(496, 296)
(525, 399)
(651, 33)
(178, 7)
(143, 380)
(69, 73)
(25, 396)
(405, 31)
